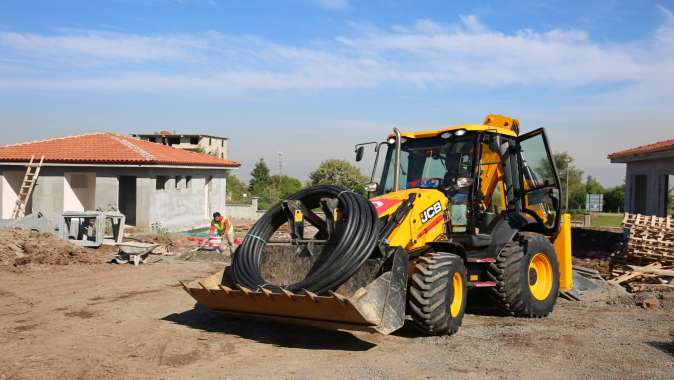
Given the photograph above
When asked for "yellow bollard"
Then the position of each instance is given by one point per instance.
(563, 249)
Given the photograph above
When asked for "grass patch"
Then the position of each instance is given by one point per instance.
(606, 220)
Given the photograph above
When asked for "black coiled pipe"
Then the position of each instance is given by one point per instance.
(355, 241)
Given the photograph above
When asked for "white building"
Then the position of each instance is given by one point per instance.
(213, 145)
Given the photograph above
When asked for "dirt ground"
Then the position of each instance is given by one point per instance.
(117, 321)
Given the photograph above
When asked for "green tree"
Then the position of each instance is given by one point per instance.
(235, 188)
(592, 186)
(564, 161)
(340, 173)
(285, 185)
(614, 199)
(260, 179)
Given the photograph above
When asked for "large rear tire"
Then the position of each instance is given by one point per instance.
(527, 277)
(437, 294)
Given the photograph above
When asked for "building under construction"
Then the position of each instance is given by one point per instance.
(148, 182)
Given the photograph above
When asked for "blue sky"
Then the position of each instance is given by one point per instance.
(311, 78)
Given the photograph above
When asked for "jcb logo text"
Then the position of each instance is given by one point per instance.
(430, 212)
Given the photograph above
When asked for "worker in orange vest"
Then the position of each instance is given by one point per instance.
(222, 229)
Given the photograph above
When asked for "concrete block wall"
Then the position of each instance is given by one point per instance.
(657, 171)
(107, 192)
(175, 209)
(186, 208)
(243, 211)
(48, 194)
(2, 199)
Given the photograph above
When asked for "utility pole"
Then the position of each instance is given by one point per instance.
(280, 163)
(280, 174)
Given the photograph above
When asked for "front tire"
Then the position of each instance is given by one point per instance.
(437, 294)
(527, 277)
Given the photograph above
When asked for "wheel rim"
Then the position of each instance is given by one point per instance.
(540, 277)
(457, 299)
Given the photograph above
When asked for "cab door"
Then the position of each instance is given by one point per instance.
(539, 182)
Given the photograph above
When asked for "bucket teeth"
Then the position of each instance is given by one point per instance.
(225, 289)
(187, 289)
(312, 296)
(245, 290)
(288, 293)
(264, 291)
(205, 287)
(339, 298)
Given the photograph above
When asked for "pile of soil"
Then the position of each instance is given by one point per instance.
(19, 247)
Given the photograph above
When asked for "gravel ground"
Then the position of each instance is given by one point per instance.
(115, 321)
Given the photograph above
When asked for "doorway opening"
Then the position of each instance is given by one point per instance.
(127, 198)
(669, 197)
(640, 192)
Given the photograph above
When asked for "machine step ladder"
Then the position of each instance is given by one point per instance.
(32, 172)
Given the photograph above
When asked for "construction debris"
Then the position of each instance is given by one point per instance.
(646, 260)
(19, 247)
(168, 244)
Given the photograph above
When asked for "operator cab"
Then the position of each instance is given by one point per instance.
(484, 171)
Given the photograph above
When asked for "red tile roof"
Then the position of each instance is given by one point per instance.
(650, 148)
(108, 148)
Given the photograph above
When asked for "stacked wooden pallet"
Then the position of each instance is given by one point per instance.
(647, 258)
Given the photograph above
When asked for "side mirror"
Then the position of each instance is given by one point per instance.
(371, 187)
(359, 153)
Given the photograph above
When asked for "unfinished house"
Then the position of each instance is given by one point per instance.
(213, 145)
(649, 177)
(151, 184)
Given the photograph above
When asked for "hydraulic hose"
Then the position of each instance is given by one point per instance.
(354, 241)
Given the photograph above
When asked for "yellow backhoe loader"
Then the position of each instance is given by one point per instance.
(449, 210)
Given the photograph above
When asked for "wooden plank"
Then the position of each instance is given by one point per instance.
(631, 275)
(653, 270)
(642, 287)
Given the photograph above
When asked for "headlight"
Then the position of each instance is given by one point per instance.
(391, 140)
(371, 187)
(446, 135)
(460, 132)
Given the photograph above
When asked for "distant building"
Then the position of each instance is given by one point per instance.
(649, 177)
(151, 184)
(213, 145)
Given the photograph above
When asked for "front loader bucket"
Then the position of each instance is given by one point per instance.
(378, 306)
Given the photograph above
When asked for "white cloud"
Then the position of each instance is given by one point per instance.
(424, 54)
(631, 83)
(106, 46)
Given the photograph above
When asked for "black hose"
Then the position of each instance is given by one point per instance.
(355, 240)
